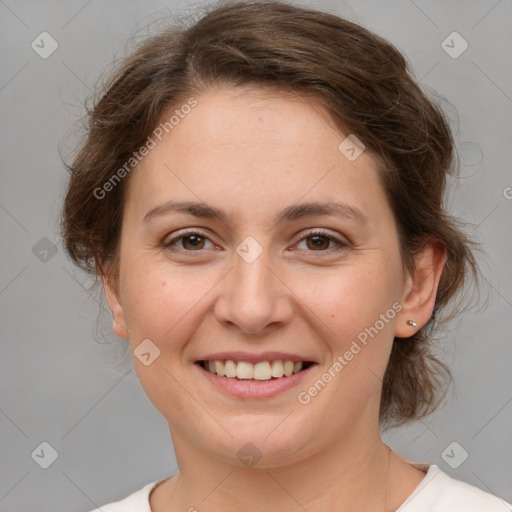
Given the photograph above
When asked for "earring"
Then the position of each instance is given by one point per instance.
(412, 323)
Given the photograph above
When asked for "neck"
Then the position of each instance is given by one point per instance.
(352, 475)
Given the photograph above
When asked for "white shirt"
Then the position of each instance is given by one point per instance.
(437, 492)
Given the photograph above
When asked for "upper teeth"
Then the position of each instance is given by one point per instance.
(259, 371)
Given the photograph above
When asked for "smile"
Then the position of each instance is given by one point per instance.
(261, 371)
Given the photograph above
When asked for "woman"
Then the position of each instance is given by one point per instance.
(261, 196)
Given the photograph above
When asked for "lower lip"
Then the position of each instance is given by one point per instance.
(253, 388)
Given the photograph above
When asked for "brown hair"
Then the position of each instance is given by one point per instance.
(366, 86)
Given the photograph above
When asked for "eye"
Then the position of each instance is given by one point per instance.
(191, 241)
(321, 241)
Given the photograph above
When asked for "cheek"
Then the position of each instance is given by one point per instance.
(358, 305)
(162, 308)
(156, 299)
(349, 299)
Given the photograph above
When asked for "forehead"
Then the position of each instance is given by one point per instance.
(255, 149)
(250, 116)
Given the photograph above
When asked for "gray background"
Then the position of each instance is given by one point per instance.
(67, 384)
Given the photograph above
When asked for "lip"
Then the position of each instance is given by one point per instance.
(254, 358)
(251, 389)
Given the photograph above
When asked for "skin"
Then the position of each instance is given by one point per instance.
(253, 152)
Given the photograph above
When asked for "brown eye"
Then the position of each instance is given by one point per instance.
(319, 241)
(191, 241)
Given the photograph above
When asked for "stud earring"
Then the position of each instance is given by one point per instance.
(412, 323)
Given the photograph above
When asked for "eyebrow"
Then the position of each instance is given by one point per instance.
(294, 212)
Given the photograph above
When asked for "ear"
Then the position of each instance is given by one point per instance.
(112, 294)
(419, 294)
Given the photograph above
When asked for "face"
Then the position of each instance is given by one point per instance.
(250, 284)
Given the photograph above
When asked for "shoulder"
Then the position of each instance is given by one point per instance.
(438, 492)
(135, 502)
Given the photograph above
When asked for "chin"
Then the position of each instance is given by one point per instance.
(261, 441)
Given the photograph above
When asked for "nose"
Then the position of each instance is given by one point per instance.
(254, 296)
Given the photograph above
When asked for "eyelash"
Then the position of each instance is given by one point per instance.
(316, 232)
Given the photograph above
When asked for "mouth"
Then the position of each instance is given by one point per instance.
(263, 371)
